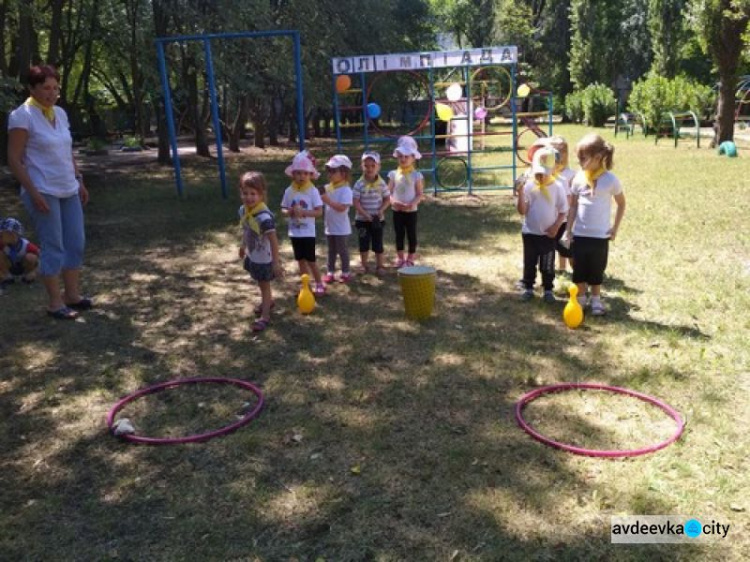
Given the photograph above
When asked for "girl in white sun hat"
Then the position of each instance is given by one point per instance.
(406, 185)
(302, 204)
(337, 197)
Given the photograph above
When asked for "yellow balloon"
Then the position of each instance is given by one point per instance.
(444, 112)
(523, 90)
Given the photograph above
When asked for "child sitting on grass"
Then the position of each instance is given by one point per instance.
(18, 256)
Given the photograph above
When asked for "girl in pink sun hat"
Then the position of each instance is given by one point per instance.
(302, 204)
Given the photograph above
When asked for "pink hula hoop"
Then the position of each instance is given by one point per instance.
(534, 394)
(247, 418)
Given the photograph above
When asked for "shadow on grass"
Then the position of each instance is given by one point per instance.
(382, 439)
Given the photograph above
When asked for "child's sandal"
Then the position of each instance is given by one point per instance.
(258, 310)
(260, 324)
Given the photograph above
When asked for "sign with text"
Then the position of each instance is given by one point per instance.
(425, 60)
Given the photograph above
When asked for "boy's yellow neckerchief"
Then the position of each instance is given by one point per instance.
(302, 187)
(374, 184)
(543, 185)
(334, 185)
(48, 112)
(405, 171)
(591, 177)
(250, 214)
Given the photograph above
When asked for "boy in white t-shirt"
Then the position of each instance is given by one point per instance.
(543, 203)
(302, 204)
(337, 197)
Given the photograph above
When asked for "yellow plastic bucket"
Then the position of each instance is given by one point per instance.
(418, 289)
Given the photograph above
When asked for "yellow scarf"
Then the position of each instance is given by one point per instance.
(48, 112)
(302, 187)
(543, 185)
(367, 185)
(250, 215)
(406, 171)
(333, 186)
(591, 177)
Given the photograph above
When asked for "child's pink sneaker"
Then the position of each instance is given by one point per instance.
(319, 289)
(345, 277)
(329, 278)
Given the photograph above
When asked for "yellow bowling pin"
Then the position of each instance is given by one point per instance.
(305, 299)
(573, 312)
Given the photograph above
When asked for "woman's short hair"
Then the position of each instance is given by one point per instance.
(39, 74)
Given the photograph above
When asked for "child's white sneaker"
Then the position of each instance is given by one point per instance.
(597, 307)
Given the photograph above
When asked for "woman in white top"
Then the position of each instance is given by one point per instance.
(40, 155)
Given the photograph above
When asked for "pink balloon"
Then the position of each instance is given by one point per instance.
(480, 113)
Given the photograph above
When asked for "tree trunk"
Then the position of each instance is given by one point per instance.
(160, 29)
(53, 51)
(238, 125)
(191, 81)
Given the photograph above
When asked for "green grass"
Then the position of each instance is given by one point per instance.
(382, 439)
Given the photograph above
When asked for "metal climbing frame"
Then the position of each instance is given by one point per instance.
(423, 72)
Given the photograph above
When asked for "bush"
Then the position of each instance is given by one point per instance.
(655, 95)
(592, 105)
(599, 104)
(574, 107)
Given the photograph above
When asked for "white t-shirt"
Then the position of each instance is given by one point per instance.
(404, 187)
(337, 222)
(308, 200)
(542, 212)
(49, 150)
(566, 175)
(593, 219)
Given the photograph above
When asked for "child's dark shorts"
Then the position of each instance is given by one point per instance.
(258, 271)
(304, 248)
(590, 259)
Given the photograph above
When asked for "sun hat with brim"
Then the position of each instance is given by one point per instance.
(371, 154)
(407, 146)
(302, 163)
(11, 225)
(339, 161)
(544, 162)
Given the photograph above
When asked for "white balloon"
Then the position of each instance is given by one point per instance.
(453, 93)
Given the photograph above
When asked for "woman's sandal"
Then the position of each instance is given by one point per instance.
(84, 304)
(260, 324)
(63, 313)
(258, 310)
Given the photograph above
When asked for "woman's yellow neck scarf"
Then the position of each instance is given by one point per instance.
(543, 186)
(334, 185)
(250, 215)
(48, 112)
(592, 176)
(302, 187)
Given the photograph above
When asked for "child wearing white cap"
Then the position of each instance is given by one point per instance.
(302, 204)
(337, 197)
(543, 203)
(371, 199)
(406, 185)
